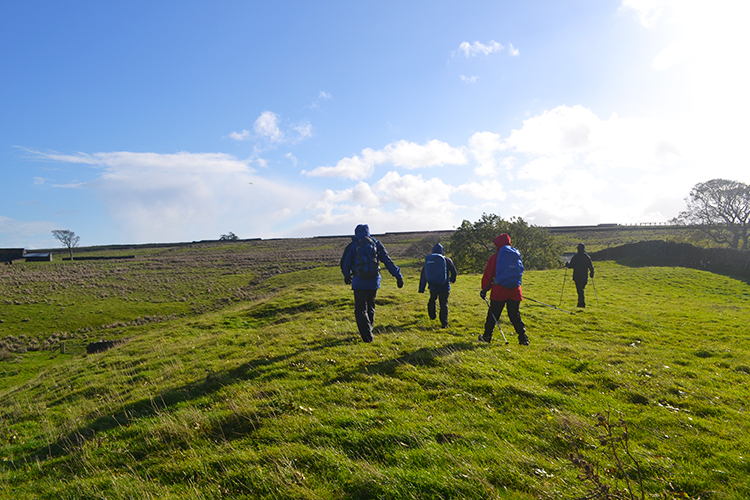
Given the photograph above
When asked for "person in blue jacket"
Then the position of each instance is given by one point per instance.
(440, 289)
(360, 265)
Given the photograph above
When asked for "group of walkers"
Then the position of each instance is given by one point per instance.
(360, 265)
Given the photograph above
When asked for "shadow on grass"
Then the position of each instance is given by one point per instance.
(154, 406)
(420, 357)
(233, 426)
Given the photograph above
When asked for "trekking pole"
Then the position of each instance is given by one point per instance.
(563, 287)
(548, 305)
(496, 321)
(595, 294)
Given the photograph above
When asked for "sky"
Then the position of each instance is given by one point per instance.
(176, 121)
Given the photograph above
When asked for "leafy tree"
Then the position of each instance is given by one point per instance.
(472, 244)
(721, 208)
(68, 238)
(230, 236)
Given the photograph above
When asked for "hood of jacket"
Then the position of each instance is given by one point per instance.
(361, 231)
(502, 240)
(438, 248)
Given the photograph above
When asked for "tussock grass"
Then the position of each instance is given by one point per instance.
(277, 397)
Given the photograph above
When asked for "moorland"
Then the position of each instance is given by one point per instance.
(237, 372)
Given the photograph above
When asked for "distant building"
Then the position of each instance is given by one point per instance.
(11, 254)
(37, 257)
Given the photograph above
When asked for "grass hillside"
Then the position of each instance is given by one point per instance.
(250, 381)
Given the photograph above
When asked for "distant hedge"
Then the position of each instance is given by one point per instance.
(724, 261)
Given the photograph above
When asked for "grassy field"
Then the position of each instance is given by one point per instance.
(241, 375)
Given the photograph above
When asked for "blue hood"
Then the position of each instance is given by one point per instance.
(438, 248)
(361, 231)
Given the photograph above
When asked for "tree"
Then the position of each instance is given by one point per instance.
(721, 209)
(68, 238)
(472, 244)
(230, 236)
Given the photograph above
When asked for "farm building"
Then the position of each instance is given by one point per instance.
(37, 257)
(11, 254)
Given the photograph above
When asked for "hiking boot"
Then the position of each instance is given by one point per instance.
(484, 338)
(523, 339)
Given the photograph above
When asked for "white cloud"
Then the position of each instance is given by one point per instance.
(267, 125)
(469, 79)
(304, 129)
(405, 154)
(486, 190)
(292, 158)
(324, 95)
(476, 48)
(484, 145)
(414, 193)
(432, 154)
(241, 136)
(513, 51)
(394, 203)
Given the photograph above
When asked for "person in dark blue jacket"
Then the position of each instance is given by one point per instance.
(440, 288)
(360, 265)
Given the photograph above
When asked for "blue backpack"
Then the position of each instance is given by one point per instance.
(435, 269)
(366, 264)
(509, 267)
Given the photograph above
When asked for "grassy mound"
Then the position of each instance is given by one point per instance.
(275, 396)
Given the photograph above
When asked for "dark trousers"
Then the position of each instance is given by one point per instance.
(580, 285)
(442, 299)
(364, 312)
(514, 315)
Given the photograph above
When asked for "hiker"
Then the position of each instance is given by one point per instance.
(505, 282)
(360, 265)
(582, 269)
(438, 272)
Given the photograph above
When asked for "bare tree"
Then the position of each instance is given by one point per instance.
(68, 238)
(721, 209)
(230, 236)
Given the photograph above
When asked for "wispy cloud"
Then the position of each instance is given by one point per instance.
(469, 79)
(477, 48)
(16, 233)
(268, 128)
(183, 196)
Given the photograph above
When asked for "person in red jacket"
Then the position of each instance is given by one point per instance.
(501, 297)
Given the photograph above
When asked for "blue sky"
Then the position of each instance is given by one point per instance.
(140, 122)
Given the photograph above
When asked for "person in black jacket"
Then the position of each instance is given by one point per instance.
(582, 269)
(438, 291)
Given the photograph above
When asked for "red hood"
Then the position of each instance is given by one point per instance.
(502, 240)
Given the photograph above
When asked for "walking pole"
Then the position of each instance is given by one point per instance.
(496, 321)
(596, 294)
(548, 305)
(563, 287)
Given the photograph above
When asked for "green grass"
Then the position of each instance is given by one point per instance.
(275, 396)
